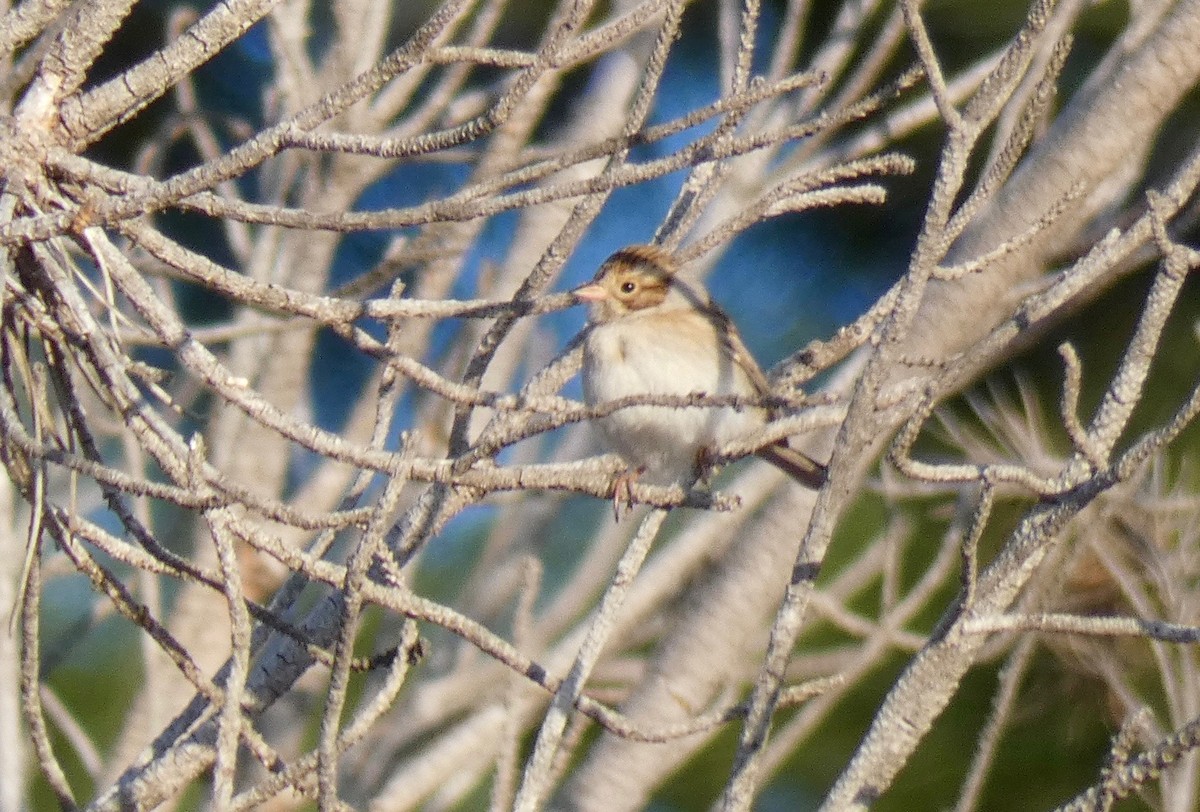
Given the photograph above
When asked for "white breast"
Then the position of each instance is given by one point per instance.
(641, 355)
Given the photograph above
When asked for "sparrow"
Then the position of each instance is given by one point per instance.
(652, 333)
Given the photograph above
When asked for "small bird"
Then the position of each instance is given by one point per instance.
(652, 333)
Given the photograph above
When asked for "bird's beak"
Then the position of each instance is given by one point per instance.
(591, 292)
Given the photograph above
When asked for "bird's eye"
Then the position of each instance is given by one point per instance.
(628, 287)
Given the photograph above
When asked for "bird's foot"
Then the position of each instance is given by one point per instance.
(707, 465)
(623, 490)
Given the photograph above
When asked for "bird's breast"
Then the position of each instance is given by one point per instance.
(658, 356)
(649, 355)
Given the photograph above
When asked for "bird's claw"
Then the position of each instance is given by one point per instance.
(623, 491)
(706, 466)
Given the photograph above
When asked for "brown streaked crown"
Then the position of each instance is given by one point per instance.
(636, 277)
(652, 256)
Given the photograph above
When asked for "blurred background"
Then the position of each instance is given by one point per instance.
(786, 282)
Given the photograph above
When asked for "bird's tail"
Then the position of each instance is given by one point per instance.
(798, 465)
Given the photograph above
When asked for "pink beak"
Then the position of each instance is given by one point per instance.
(591, 292)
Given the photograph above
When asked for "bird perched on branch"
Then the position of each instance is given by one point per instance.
(651, 333)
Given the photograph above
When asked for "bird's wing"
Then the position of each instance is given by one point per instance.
(732, 344)
(801, 467)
